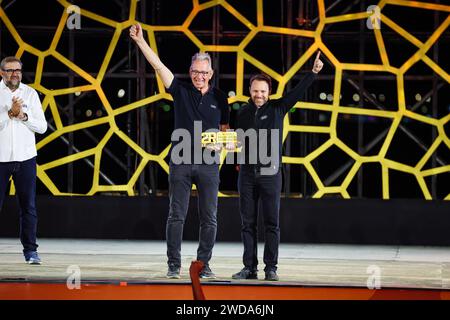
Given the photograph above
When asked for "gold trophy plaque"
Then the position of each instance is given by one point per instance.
(221, 139)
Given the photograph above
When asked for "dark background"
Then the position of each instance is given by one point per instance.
(350, 41)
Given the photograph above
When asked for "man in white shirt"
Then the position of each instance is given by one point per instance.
(21, 116)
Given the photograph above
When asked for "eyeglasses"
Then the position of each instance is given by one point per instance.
(196, 73)
(11, 71)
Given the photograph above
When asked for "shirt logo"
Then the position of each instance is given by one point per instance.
(264, 117)
(213, 106)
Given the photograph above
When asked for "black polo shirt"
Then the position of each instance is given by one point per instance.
(190, 105)
(270, 116)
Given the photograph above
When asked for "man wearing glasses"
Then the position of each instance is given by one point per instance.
(199, 102)
(21, 116)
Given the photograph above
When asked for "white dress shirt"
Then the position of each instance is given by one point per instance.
(17, 141)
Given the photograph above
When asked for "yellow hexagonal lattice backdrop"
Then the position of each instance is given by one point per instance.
(335, 109)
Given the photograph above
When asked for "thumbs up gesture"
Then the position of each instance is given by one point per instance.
(318, 64)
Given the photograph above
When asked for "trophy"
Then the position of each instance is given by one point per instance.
(221, 139)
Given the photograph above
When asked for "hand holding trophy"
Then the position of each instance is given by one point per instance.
(216, 141)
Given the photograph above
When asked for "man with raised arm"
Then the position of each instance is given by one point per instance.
(260, 180)
(196, 102)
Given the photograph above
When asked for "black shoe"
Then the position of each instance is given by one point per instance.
(173, 272)
(245, 273)
(271, 275)
(206, 273)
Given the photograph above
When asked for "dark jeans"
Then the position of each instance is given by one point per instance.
(181, 177)
(24, 177)
(253, 189)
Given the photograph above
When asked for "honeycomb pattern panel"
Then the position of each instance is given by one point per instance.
(395, 116)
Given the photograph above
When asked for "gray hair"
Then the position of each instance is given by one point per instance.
(202, 56)
(8, 60)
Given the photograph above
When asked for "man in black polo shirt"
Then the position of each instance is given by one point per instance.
(196, 105)
(260, 180)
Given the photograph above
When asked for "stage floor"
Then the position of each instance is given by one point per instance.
(311, 265)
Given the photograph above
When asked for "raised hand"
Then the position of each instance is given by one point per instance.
(136, 32)
(318, 64)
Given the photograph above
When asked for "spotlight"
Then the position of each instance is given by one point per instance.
(121, 93)
(231, 94)
(236, 106)
(88, 113)
(356, 97)
(330, 97)
(418, 97)
(77, 93)
(99, 113)
(323, 96)
(381, 97)
(166, 107)
(322, 117)
(424, 109)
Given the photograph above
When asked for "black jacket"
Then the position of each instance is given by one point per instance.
(269, 116)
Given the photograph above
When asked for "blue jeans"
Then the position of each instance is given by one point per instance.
(181, 177)
(24, 177)
(253, 189)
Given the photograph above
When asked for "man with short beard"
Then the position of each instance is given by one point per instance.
(21, 116)
(261, 182)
